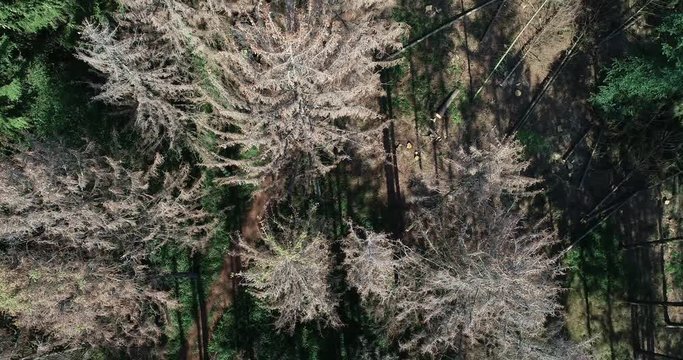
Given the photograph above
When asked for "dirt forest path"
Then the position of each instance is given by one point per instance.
(222, 291)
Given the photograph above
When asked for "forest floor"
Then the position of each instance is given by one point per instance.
(540, 92)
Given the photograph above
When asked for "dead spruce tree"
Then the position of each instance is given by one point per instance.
(77, 231)
(292, 87)
(371, 262)
(290, 271)
(146, 74)
(298, 86)
(470, 276)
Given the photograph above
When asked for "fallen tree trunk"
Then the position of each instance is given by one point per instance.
(443, 109)
(546, 86)
(559, 69)
(441, 27)
(507, 51)
(493, 20)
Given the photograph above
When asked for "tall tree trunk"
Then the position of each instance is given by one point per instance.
(193, 346)
(413, 100)
(584, 285)
(201, 302)
(608, 299)
(654, 302)
(179, 314)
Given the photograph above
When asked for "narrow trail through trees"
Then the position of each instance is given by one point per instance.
(222, 291)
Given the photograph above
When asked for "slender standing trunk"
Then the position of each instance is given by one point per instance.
(413, 100)
(467, 52)
(608, 296)
(178, 313)
(586, 301)
(201, 301)
(193, 346)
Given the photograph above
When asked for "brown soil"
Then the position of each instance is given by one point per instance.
(573, 185)
(538, 49)
(223, 290)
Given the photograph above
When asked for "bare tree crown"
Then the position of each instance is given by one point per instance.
(292, 88)
(79, 230)
(290, 272)
(471, 274)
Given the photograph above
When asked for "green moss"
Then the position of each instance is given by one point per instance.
(34, 275)
(534, 143)
(10, 302)
(674, 267)
(597, 270)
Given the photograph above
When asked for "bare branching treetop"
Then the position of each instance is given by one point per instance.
(303, 86)
(293, 87)
(147, 73)
(371, 263)
(472, 275)
(290, 272)
(77, 232)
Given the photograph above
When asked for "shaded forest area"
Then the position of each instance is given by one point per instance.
(341, 179)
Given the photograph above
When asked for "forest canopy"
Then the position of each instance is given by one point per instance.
(328, 179)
